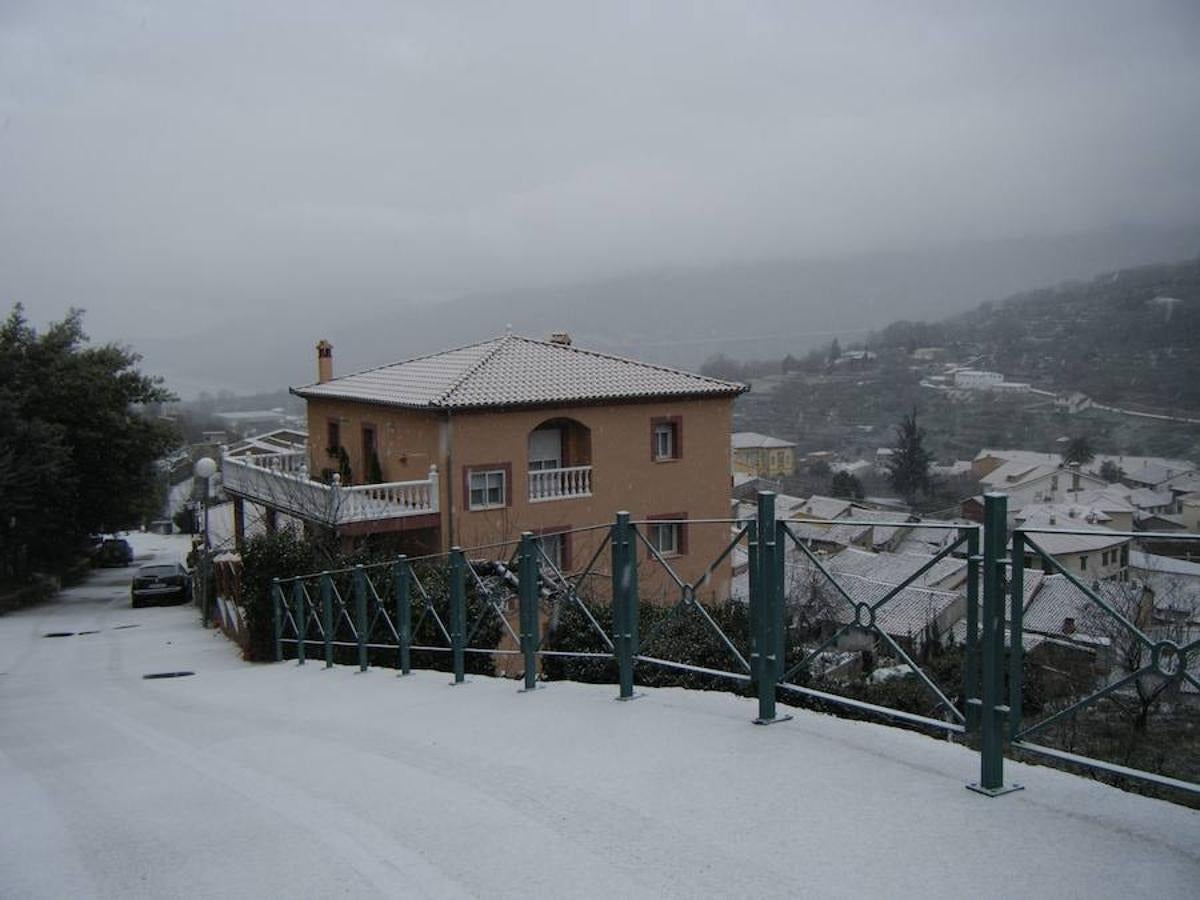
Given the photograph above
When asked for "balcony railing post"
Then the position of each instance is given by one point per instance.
(528, 596)
(971, 650)
(458, 612)
(768, 596)
(360, 615)
(277, 618)
(991, 750)
(1016, 650)
(624, 602)
(401, 589)
(327, 616)
(301, 618)
(755, 605)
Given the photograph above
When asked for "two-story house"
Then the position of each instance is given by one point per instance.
(471, 446)
(762, 455)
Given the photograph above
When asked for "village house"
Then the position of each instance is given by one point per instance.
(762, 455)
(472, 446)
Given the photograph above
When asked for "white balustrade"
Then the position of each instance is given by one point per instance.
(560, 484)
(280, 481)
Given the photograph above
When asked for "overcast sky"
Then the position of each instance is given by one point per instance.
(162, 162)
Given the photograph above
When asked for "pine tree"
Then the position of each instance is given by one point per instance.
(908, 469)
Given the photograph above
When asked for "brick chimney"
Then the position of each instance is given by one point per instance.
(324, 361)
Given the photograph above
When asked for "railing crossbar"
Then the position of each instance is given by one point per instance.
(873, 708)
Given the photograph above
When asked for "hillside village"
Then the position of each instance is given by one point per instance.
(392, 490)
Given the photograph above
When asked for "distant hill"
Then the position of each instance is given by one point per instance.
(679, 317)
(1129, 337)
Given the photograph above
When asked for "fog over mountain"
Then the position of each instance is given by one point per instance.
(672, 316)
(219, 184)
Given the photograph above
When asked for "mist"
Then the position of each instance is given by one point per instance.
(285, 171)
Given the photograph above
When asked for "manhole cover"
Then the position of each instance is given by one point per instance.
(168, 674)
(59, 634)
(119, 627)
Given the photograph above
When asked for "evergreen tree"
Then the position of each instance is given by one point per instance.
(75, 456)
(1078, 450)
(847, 486)
(908, 469)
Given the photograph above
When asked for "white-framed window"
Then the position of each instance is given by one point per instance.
(488, 489)
(664, 441)
(552, 547)
(665, 537)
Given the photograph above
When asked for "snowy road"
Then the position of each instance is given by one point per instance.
(263, 780)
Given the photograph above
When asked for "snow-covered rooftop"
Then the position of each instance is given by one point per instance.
(752, 440)
(512, 370)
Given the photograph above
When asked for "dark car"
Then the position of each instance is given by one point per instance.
(114, 552)
(159, 582)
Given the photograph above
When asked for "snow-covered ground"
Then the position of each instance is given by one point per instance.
(261, 780)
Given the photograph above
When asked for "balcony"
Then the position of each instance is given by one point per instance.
(560, 484)
(280, 481)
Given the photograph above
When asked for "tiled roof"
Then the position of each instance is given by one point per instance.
(515, 371)
(1059, 600)
(752, 440)
(893, 568)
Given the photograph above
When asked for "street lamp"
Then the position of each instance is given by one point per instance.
(204, 469)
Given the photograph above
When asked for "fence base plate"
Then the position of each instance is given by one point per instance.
(774, 721)
(634, 696)
(994, 792)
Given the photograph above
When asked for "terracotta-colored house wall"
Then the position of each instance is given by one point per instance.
(624, 474)
(408, 441)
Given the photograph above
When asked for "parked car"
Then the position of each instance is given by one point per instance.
(114, 552)
(157, 582)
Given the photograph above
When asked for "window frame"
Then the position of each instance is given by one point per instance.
(504, 470)
(333, 436)
(675, 423)
(678, 522)
(563, 532)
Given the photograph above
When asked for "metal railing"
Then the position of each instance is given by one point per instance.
(1148, 666)
(495, 602)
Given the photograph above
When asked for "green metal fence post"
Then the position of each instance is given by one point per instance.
(971, 652)
(327, 616)
(527, 590)
(1016, 651)
(403, 598)
(754, 605)
(777, 602)
(458, 612)
(277, 618)
(991, 753)
(624, 602)
(301, 618)
(360, 615)
(769, 609)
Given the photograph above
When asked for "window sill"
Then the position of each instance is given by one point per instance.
(667, 459)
